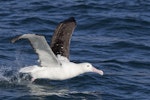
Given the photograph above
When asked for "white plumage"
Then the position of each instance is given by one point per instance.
(52, 67)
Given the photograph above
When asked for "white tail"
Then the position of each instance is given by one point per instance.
(29, 69)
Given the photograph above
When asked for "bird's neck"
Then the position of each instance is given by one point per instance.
(75, 70)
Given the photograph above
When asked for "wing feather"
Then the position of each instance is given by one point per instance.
(60, 42)
(46, 56)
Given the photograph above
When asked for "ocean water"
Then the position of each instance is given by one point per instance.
(113, 35)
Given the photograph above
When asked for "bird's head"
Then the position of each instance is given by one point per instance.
(89, 68)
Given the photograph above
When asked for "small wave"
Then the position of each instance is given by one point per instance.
(128, 45)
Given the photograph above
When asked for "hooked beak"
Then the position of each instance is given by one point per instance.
(98, 71)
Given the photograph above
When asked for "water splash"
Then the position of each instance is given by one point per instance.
(10, 76)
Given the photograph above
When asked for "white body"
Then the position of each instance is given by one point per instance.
(66, 71)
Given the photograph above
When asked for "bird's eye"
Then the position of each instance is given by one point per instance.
(88, 65)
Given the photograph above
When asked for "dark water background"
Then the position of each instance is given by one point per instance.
(113, 35)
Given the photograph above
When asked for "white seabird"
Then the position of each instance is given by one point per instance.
(54, 65)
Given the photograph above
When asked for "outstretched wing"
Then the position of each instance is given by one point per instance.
(60, 42)
(41, 47)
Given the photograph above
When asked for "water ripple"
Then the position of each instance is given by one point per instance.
(112, 35)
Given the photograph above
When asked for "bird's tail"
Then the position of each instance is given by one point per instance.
(29, 69)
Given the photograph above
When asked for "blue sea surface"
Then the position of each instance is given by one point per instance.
(113, 35)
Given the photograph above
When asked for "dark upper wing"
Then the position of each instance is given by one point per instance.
(46, 56)
(60, 42)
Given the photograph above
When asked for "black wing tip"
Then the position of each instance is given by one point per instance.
(70, 19)
(15, 39)
(18, 37)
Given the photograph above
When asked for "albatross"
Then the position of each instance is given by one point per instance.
(54, 59)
